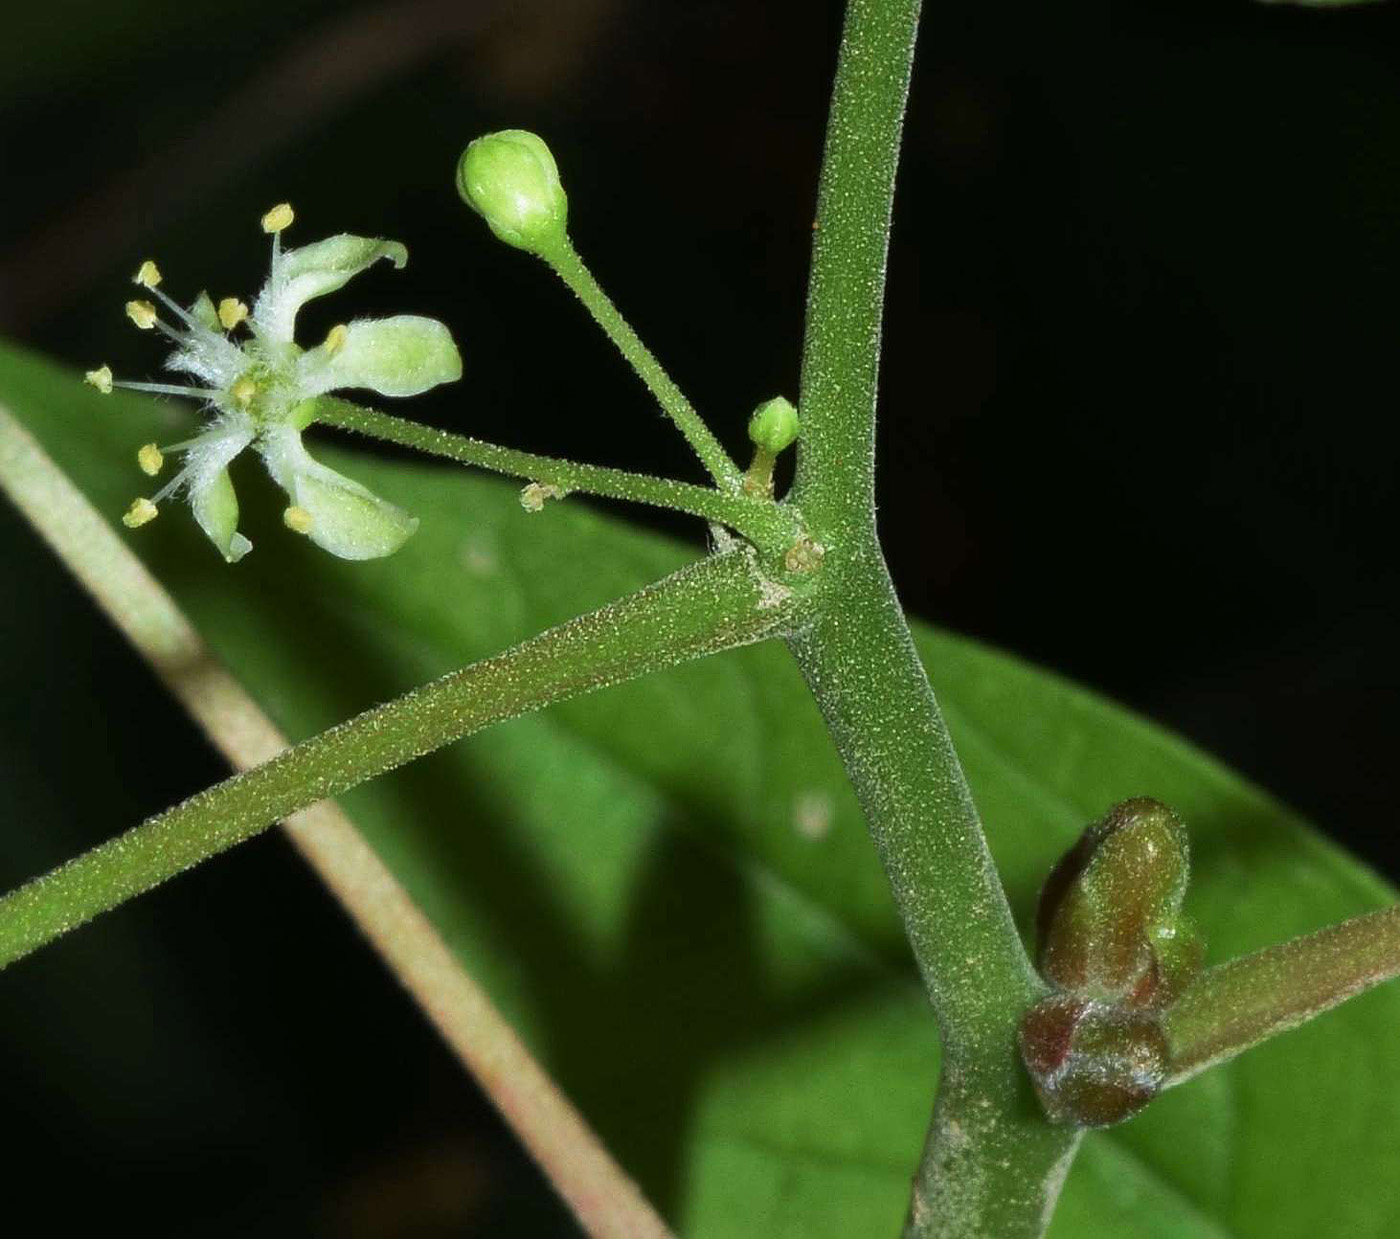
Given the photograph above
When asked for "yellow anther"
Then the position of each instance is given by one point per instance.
(101, 378)
(297, 519)
(142, 313)
(149, 274)
(279, 217)
(243, 390)
(141, 512)
(150, 460)
(232, 312)
(335, 339)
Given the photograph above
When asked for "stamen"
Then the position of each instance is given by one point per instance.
(232, 312)
(101, 378)
(278, 218)
(335, 339)
(141, 512)
(149, 275)
(173, 485)
(178, 310)
(243, 390)
(297, 519)
(274, 221)
(150, 460)
(166, 389)
(142, 313)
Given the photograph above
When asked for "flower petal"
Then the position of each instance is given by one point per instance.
(211, 491)
(216, 509)
(313, 270)
(346, 519)
(398, 356)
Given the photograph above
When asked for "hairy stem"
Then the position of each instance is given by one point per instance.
(602, 1197)
(570, 268)
(762, 522)
(1238, 1004)
(846, 290)
(714, 604)
(992, 1164)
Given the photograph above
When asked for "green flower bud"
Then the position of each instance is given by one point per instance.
(774, 425)
(511, 180)
(1110, 915)
(1093, 1064)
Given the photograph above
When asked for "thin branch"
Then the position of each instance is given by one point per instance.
(605, 1201)
(714, 604)
(571, 269)
(1238, 1004)
(758, 519)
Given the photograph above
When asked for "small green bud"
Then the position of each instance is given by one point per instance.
(511, 180)
(1093, 1064)
(774, 425)
(1110, 915)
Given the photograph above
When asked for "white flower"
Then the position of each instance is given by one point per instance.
(258, 391)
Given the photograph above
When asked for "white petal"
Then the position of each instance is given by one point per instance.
(346, 519)
(211, 491)
(398, 356)
(299, 275)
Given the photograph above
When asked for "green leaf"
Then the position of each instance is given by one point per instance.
(668, 886)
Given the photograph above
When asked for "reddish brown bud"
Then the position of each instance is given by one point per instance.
(1092, 1064)
(1110, 914)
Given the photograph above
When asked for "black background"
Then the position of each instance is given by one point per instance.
(1138, 425)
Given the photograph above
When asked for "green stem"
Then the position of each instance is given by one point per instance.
(714, 604)
(762, 522)
(570, 268)
(992, 1165)
(605, 1201)
(1236, 1005)
(846, 290)
(758, 480)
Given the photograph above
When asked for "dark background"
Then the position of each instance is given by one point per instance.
(1138, 426)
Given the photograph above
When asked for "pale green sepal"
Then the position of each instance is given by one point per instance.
(204, 312)
(312, 271)
(400, 356)
(216, 509)
(346, 519)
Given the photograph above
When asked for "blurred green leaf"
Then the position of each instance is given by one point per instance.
(668, 886)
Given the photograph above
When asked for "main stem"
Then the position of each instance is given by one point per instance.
(992, 1165)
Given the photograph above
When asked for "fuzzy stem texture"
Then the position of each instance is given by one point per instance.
(570, 268)
(992, 1165)
(715, 604)
(753, 516)
(606, 1203)
(1238, 1004)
